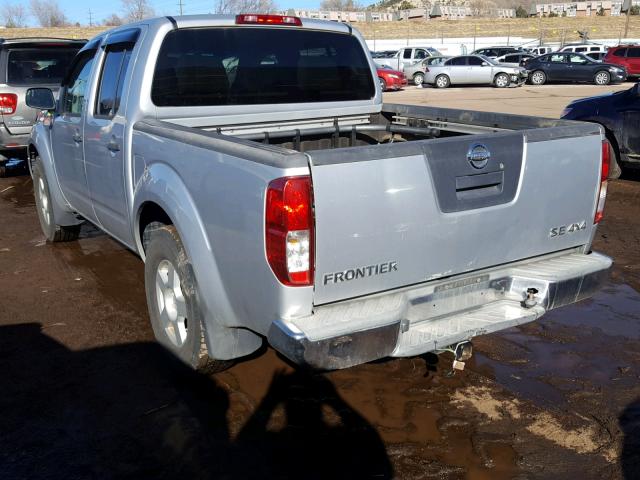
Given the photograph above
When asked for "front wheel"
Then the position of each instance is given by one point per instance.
(172, 299)
(602, 78)
(502, 80)
(383, 84)
(442, 81)
(538, 77)
(53, 232)
(418, 78)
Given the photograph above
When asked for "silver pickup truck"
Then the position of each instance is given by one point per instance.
(249, 160)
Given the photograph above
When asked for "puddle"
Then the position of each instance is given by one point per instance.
(585, 346)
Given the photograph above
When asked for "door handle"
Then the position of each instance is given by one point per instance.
(77, 137)
(113, 146)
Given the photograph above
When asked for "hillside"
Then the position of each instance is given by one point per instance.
(553, 29)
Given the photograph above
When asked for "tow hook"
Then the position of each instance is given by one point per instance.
(530, 301)
(461, 353)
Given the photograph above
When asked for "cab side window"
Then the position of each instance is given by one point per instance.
(114, 71)
(76, 86)
(406, 53)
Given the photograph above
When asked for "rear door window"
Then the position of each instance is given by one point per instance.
(456, 62)
(621, 52)
(244, 66)
(42, 66)
(633, 53)
(558, 58)
(475, 61)
(580, 49)
(112, 78)
(406, 53)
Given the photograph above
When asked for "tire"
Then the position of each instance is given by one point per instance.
(170, 285)
(502, 80)
(602, 78)
(55, 233)
(442, 81)
(615, 171)
(418, 78)
(538, 78)
(383, 84)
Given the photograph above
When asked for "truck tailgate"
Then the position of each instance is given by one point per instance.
(393, 215)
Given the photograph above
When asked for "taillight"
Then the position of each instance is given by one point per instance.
(8, 103)
(289, 230)
(604, 175)
(251, 18)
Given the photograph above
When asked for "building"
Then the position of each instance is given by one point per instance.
(433, 11)
(582, 9)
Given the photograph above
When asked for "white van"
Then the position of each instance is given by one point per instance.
(584, 48)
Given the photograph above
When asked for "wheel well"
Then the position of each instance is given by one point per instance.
(613, 141)
(151, 212)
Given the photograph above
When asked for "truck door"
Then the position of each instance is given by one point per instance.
(105, 146)
(67, 134)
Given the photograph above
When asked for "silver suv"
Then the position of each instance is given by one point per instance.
(27, 63)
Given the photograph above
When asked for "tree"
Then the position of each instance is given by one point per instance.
(136, 10)
(521, 12)
(14, 15)
(48, 13)
(112, 20)
(635, 10)
(552, 14)
(340, 5)
(245, 6)
(600, 12)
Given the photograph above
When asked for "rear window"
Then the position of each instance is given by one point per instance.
(245, 66)
(42, 66)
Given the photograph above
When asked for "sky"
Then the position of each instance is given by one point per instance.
(78, 11)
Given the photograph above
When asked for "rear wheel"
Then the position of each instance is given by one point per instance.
(172, 299)
(418, 78)
(602, 78)
(538, 77)
(383, 84)
(51, 230)
(443, 81)
(502, 80)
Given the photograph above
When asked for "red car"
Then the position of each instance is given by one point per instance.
(627, 56)
(391, 79)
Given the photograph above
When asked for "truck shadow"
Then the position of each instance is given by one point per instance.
(630, 426)
(134, 411)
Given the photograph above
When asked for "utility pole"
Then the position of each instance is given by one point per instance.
(626, 8)
(181, 6)
(90, 18)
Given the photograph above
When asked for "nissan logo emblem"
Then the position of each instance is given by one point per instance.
(478, 155)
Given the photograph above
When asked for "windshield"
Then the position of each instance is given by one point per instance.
(244, 66)
(44, 66)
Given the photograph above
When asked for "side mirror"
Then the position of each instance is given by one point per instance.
(40, 99)
(485, 64)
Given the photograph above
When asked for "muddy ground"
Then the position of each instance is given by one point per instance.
(86, 393)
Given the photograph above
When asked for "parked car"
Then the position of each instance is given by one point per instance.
(407, 56)
(474, 69)
(583, 48)
(573, 67)
(396, 248)
(26, 63)
(626, 56)
(383, 54)
(390, 79)
(515, 59)
(495, 52)
(415, 72)
(619, 114)
(541, 50)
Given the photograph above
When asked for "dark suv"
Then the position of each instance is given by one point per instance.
(27, 63)
(627, 56)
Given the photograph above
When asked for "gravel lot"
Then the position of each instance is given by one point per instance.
(86, 393)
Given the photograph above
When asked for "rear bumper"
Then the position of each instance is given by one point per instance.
(9, 141)
(430, 318)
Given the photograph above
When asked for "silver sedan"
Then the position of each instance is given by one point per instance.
(474, 69)
(415, 72)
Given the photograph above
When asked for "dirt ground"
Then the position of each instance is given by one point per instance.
(85, 392)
